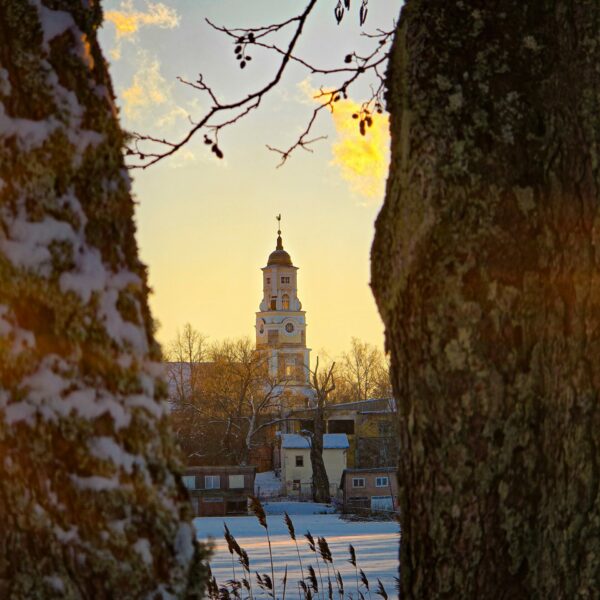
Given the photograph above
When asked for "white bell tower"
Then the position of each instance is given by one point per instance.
(281, 322)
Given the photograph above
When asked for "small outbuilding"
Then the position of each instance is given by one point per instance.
(221, 490)
(369, 490)
(296, 468)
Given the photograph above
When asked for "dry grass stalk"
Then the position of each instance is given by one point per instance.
(380, 591)
(232, 590)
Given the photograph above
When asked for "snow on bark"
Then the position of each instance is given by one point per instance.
(91, 503)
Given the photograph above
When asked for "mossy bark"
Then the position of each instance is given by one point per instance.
(91, 503)
(485, 267)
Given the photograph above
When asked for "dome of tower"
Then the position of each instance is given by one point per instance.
(279, 256)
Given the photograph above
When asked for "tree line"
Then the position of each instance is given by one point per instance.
(224, 401)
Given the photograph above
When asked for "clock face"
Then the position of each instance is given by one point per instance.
(289, 327)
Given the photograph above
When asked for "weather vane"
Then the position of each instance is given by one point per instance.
(278, 217)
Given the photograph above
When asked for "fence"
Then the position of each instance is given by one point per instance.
(302, 492)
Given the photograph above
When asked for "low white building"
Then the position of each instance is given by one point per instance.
(296, 468)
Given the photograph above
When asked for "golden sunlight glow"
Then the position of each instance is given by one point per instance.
(363, 160)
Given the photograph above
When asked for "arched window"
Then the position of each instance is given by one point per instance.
(285, 302)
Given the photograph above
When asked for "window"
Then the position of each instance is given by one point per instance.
(236, 482)
(285, 280)
(289, 367)
(341, 426)
(300, 461)
(189, 481)
(273, 302)
(382, 482)
(212, 482)
(385, 428)
(285, 300)
(358, 482)
(296, 484)
(212, 499)
(268, 280)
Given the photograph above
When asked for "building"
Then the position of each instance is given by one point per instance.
(369, 490)
(296, 468)
(369, 424)
(281, 327)
(219, 491)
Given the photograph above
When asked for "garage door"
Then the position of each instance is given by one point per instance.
(381, 503)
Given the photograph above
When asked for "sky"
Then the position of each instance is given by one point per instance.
(206, 226)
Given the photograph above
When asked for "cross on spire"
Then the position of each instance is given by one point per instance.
(279, 242)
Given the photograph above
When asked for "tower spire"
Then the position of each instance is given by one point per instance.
(279, 241)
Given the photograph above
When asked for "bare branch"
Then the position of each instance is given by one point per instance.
(150, 149)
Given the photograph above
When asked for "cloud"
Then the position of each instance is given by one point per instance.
(148, 105)
(128, 21)
(148, 89)
(362, 160)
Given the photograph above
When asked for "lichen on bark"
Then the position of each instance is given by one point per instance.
(91, 499)
(485, 271)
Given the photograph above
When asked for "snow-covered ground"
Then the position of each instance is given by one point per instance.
(376, 545)
(297, 508)
(267, 484)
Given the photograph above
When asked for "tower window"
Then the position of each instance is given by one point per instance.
(285, 300)
(274, 303)
(290, 364)
(268, 280)
(285, 280)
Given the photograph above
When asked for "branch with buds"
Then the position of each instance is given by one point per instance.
(145, 150)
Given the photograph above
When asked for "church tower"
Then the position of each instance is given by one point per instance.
(281, 322)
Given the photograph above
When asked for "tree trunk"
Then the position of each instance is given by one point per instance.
(320, 481)
(91, 503)
(485, 267)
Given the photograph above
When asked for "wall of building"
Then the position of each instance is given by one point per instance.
(373, 443)
(334, 459)
(370, 489)
(235, 484)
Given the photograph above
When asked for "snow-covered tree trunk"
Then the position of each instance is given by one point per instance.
(90, 503)
(486, 271)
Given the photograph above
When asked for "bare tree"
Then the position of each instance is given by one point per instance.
(223, 407)
(185, 355)
(323, 384)
(245, 396)
(363, 373)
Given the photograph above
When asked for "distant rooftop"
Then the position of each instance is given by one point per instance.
(331, 441)
(372, 405)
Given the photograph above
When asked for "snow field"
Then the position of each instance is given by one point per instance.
(376, 545)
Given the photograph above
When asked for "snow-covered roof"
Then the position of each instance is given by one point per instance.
(331, 441)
